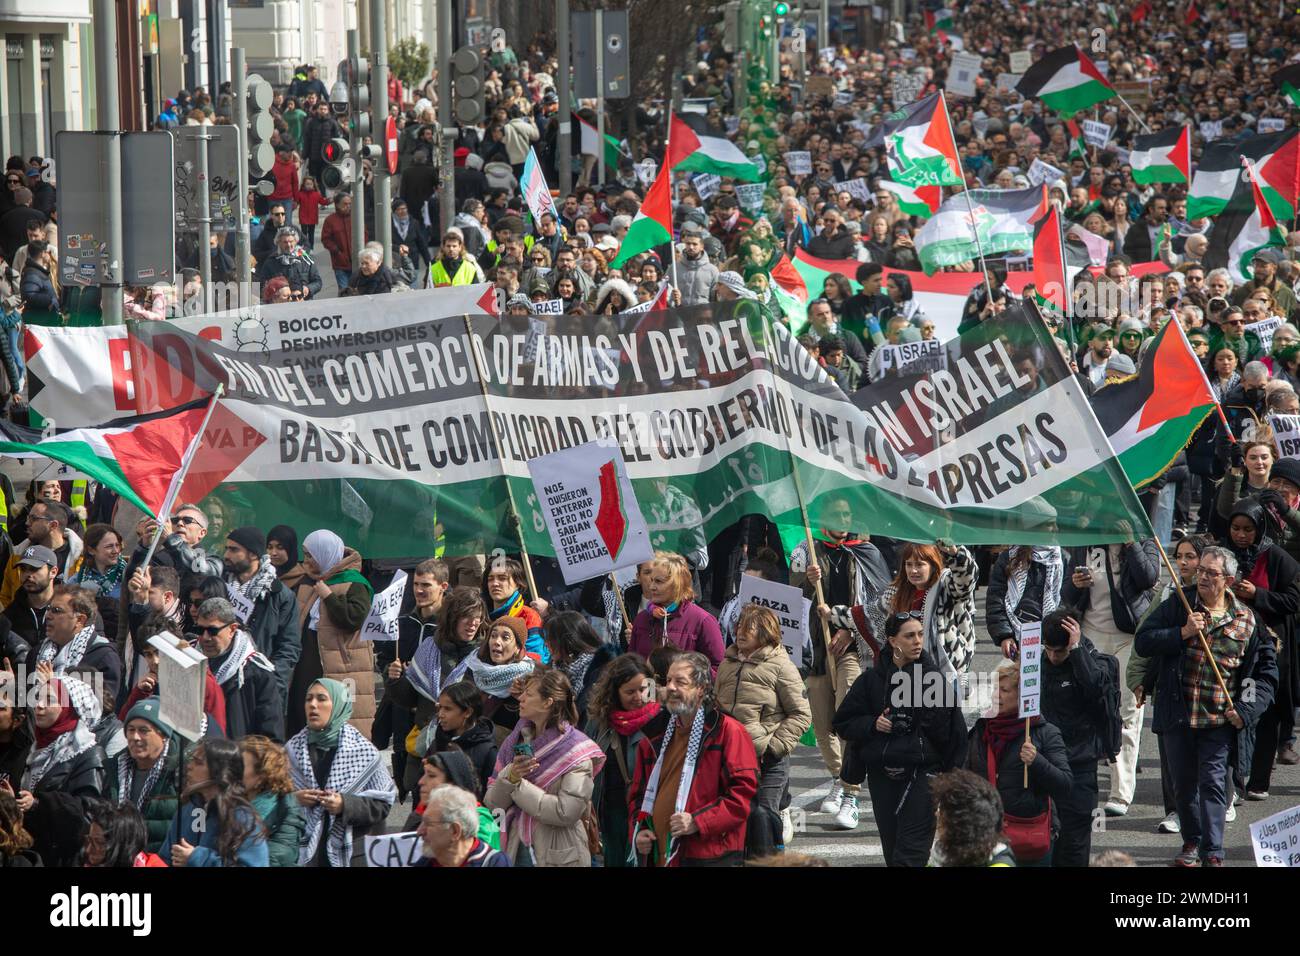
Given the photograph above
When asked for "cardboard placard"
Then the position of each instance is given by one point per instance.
(385, 609)
(706, 185)
(1286, 432)
(1021, 60)
(1041, 172)
(182, 674)
(798, 162)
(787, 603)
(392, 850)
(750, 196)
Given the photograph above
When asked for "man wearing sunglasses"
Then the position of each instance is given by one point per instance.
(71, 641)
(180, 547)
(47, 526)
(247, 679)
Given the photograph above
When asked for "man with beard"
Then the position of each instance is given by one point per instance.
(453, 267)
(273, 623)
(695, 272)
(71, 644)
(693, 785)
(247, 679)
(1093, 361)
(26, 612)
(852, 573)
(47, 526)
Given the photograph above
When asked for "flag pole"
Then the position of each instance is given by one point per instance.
(672, 193)
(179, 479)
(965, 188)
(496, 448)
(1205, 646)
(1136, 115)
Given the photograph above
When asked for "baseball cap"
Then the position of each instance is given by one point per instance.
(38, 556)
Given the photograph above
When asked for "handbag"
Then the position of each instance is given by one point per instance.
(1030, 838)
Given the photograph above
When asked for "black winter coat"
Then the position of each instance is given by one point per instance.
(1278, 609)
(256, 707)
(930, 738)
(1069, 702)
(1000, 625)
(275, 630)
(13, 755)
(478, 744)
(1049, 774)
(1132, 586)
(24, 622)
(57, 822)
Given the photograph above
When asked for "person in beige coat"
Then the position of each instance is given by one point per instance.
(544, 777)
(333, 602)
(759, 686)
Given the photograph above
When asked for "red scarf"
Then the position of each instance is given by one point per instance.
(831, 542)
(1002, 732)
(628, 722)
(918, 600)
(67, 719)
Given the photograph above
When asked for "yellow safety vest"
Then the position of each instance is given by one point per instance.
(78, 497)
(465, 275)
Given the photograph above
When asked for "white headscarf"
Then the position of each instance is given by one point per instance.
(326, 549)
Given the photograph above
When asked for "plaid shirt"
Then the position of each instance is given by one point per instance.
(1207, 705)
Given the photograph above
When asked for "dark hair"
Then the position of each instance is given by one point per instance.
(896, 619)
(552, 683)
(904, 285)
(165, 578)
(435, 566)
(604, 693)
(511, 567)
(209, 585)
(569, 635)
(466, 696)
(56, 510)
(830, 343)
(79, 600)
(234, 816)
(867, 270)
(970, 811)
(1054, 633)
(460, 602)
(95, 535)
(1199, 543)
(13, 838)
(661, 658)
(766, 563)
(125, 833)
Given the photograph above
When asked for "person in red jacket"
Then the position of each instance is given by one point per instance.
(309, 201)
(336, 237)
(693, 784)
(285, 171)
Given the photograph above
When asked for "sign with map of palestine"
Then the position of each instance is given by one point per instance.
(591, 512)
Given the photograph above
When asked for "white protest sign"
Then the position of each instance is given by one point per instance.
(908, 54)
(750, 196)
(1286, 433)
(549, 307)
(1271, 124)
(799, 162)
(962, 74)
(592, 515)
(1265, 328)
(1041, 172)
(1031, 683)
(788, 604)
(706, 185)
(393, 850)
(1237, 41)
(1211, 129)
(645, 171)
(916, 358)
(905, 88)
(1021, 61)
(1007, 81)
(759, 160)
(182, 672)
(844, 98)
(1276, 839)
(536, 329)
(242, 605)
(1096, 133)
(857, 188)
(381, 622)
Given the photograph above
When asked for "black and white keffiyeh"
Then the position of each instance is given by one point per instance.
(241, 649)
(683, 785)
(577, 671)
(258, 584)
(68, 656)
(1050, 559)
(83, 699)
(357, 771)
(126, 770)
(728, 620)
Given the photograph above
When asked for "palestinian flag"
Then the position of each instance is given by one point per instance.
(980, 221)
(1078, 145)
(1244, 227)
(1066, 80)
(1151, 417)
(1288, 81)
(1141, 11)
(922, 201)
(1192, 14)
(140, 457)
(653, 225)
(919, 144)
(936, 20)
(1050, 284)
(1163, 157)
(1276, 158)
(591, 144)
(698, 151)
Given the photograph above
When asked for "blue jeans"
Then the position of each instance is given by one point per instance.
(288, 210)
(1198, 761)
(342, 277)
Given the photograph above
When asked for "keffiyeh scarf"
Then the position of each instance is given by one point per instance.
(357, 771)
(645, 818)
(1050, 559)
(495, 679)
(259, 583)
(70, 655)
(106, 582)
(577, 671)
(425, 670)
(241, 649)
(83, 700)
(126, 769)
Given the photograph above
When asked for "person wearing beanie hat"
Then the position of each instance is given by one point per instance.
(1130, 338)
(147, 773)
(1119, 366)
(253, 583)
(519, 304)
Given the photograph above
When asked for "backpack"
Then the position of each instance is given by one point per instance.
(1107, 707)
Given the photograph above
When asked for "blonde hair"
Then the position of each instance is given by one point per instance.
(683, 588)
(764, 622)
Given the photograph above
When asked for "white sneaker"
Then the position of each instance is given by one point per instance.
(1169, 824)
(1231, 814)
(847, 818)
(1115, 808)
(833, 799)
(787, 827)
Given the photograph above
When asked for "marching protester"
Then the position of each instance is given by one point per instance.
(253, 703)
(217, 825)
(448, 831)
(269, 788)
(672, 615)
(273, 623)
(147, 774)
(498, 668)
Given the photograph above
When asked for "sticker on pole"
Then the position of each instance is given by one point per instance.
(1031, 677)
(591, 513)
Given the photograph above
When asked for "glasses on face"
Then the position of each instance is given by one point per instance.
(186, 519)
(1208, 573)
(211, 630)
(13, 182)
(56, 610)
(1195, 278)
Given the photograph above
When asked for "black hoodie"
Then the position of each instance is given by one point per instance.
(479, 745)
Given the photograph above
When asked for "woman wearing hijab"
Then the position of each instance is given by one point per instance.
(64, 769)
(333, 602)
(282, 546)
(544, 777)
(1268, 579)
(1024, 586)
(340, 778)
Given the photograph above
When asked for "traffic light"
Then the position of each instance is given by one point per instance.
(359, 96)
(261, 157)
(765, 27)
(371, 151)
(339, 164)
(781, 9)
(467, 103)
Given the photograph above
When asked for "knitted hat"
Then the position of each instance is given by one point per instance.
(519, 299)
(909, 334)
(250, 539)
(1288, 469)
(1120, 364)
(515, 624)
(1131, 325)
(148, 709)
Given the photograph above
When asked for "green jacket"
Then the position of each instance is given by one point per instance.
(159, 808)
(284, 823)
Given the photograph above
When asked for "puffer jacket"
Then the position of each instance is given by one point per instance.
(1049, 774)
(767, 695)
(284, 822)
(690, 627)
(697, 278)
(559, 835)
(160, 803)
(343, 655)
